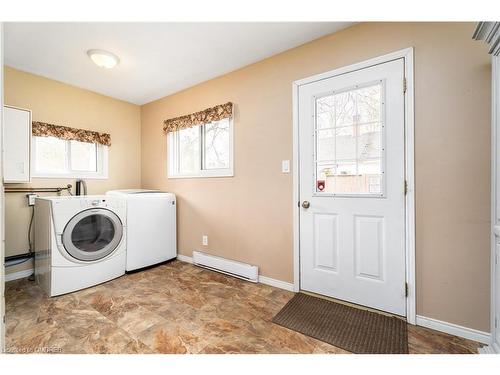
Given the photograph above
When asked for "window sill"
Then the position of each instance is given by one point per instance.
(71, 176)
(208, 175)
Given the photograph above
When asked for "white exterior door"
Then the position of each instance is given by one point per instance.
(352, 195)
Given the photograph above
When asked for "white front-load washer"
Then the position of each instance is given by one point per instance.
(80, 241)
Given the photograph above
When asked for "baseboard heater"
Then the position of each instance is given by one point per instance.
(229, 267)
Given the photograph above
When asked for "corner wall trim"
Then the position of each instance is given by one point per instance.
(18, 275)
(262, 279)
(454, 329)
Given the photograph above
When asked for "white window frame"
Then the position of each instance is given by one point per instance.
(173, 157)
(101, 162)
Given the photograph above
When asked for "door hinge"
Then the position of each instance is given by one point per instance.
(404, 85)
(406, 187)
(406, 290)
(496, 326)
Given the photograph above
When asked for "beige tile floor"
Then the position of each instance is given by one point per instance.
(172, 308)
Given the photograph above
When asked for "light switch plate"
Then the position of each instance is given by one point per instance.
(205, 240)
(285, 166)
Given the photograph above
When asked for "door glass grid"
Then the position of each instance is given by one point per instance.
(349, 149)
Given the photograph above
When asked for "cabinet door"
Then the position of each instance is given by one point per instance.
(16, 145)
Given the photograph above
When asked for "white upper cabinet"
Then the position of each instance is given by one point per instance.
(16, 144)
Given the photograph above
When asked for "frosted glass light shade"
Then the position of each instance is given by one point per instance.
(103, 59)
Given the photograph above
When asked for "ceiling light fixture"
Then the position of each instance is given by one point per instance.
(103, 59)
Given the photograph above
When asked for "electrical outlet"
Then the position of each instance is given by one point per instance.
(205, 240)
(31, 199)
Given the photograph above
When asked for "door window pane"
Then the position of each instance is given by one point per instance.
(216, 143)
(325, 145)
(83, 156)
(325, 113)
(369, 141)
(324, 173)
(349, 141)
(369, 167)
(344, 108)
(368, 104)
(50, 155)
(345, 143)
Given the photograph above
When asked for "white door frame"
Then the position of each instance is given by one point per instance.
(2, 207)
(494, 346)
(407, 55)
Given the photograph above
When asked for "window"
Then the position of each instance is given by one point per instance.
(349, 137)
(60, 158)
(201, 151)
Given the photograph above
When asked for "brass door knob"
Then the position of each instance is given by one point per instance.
(306, 204)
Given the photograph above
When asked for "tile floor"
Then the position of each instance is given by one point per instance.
(173, 308)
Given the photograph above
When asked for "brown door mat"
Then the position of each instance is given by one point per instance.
(349, 328)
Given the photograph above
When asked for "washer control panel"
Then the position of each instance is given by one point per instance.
(94, 202)
(112, 203)
(97, 202)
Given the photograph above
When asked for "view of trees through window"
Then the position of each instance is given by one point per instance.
(83, 156)
(201, 148)
(50, 155)
(59, 156)
(189, 150)
(216, 144)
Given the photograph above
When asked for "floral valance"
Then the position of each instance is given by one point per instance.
(217, 113)
(42, 129)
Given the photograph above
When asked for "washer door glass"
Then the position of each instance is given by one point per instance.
(92, 234)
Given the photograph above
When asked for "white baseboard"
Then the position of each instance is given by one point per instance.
(184, 258)
(454, 329)
(18, 275)
(276, 283)
(262, 279)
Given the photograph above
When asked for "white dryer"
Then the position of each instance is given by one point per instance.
(151, 226)
(80, 241)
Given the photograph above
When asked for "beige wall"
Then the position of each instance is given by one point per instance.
(59, 103)
(249, 217)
